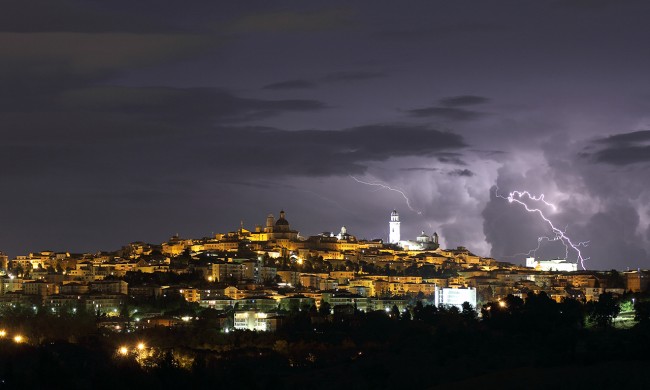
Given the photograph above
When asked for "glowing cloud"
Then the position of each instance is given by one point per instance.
(517, 196)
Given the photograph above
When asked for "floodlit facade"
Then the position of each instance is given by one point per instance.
(455, 296)
(551, 265)
(257, 321)
(394, 233)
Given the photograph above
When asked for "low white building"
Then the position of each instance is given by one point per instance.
(256, 321)
(551, 265)
(455, 296)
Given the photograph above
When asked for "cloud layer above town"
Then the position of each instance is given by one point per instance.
(128, 121)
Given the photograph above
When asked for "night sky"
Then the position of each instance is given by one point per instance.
(136, 120)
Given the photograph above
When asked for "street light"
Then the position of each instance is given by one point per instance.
(123, 351)
(140, 346)
(3, 333)
(18, 339)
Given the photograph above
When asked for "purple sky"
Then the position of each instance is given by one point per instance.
(136, 120)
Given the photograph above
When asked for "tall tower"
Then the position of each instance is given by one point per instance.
(393, 236)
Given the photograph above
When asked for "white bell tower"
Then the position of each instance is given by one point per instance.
(394, 235)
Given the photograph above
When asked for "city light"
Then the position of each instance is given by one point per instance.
(19, 339)
(3, 333)
(123, 351)
(140, 346)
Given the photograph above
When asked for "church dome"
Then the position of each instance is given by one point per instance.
(282, 221)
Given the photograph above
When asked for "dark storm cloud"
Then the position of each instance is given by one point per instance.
(451, 158)
(291, 84)
(188, 105)
(463, 100)
(437, 32)
(51, 47)
(489, 153)
(347, 76)
(86, 54)
(334, 77)
(626, 138)
(448, 113)
(415, 169)
(461, 172)
(451, 108)
(592, 4)
(622, 149)
(617, 240)
(28, 16)
(106, 144)
(38, 67)
(260, 184)
(327, 152)
(625, 155)
(289, 21)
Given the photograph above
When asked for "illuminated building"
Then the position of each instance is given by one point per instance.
(394, 232)
(255, 320)
(551, 265)
(41, 288)
(455, 296)
(636, 281)
(422, 242)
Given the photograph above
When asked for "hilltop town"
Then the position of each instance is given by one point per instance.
(256, 275)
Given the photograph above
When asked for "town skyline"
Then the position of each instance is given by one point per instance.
(393, 236)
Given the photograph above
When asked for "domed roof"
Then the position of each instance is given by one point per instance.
(281, 221)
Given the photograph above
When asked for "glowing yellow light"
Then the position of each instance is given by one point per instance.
(300, 261)
(502, 304)
(18, 339)
(3, 333)
(123, 350)
(210, 278)
(140, 346)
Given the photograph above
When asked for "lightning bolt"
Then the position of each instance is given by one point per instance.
(386, 187)
(560, 235)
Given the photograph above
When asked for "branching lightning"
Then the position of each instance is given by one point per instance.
(386, 187)
(560, 235)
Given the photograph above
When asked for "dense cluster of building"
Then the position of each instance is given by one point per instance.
(256, 274)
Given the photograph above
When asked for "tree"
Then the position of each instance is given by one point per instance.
(468, 312)
(394, 312)
(325, 308)
(605, 310)
(418, 310)
(572, 313)
(642, 312)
